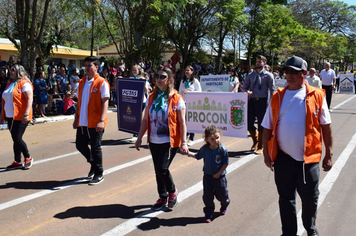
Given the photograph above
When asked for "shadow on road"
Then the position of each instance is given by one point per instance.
(50, 185)
(155, 222)
(104, 211)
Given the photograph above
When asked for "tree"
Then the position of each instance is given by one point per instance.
(25, 21)
(329, 16)
(185, 23)
(230, 15)
(252, 29)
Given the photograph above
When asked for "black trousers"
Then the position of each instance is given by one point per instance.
(293, 176)
(17, 129)
(86, 136)
(214, 187)
(256, 108)
(162, 156)
(328, 93)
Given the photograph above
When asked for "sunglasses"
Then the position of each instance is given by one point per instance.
(162, 77)
(293, 72)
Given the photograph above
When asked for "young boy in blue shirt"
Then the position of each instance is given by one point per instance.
(216, 160)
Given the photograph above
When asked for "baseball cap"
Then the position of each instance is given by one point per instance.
(296, 63)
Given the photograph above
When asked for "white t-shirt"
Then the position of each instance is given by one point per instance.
(235, 80)
(105, 93)
(9, 99)
(291, 122)
(195, 87)
(159, 122)
(74, 84)
(327, 76)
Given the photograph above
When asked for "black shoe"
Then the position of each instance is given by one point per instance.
(97, 179)
(161, 202)
(91, 172)
(313, 233)
(172, 199)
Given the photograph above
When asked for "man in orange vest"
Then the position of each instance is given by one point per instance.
(91, 117)
(295, 123)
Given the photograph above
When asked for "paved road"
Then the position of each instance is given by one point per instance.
(53, 198)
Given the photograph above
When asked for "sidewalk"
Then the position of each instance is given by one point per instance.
(52, 119)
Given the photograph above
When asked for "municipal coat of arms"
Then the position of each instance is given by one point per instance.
(237, 113)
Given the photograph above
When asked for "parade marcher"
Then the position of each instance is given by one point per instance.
(216, 160)
(189, 84)
(164, 120)
(296, 122)
(17, 110)
(313, 80)
(328, 80)
(257, 84)
(91, 118)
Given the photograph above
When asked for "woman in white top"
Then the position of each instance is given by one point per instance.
(166, 133)
(189, 84)
(17, 109)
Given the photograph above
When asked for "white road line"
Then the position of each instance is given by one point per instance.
(331, 178)
(71, 183)
(341, 104)
(130, 225)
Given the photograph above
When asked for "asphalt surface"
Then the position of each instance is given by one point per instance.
(54, 198)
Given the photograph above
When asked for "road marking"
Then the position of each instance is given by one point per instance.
(72, 183)
(130, 225)
(330, 178)
(341, 104)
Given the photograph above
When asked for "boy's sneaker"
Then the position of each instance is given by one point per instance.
(223, 211)
(28, 163)
(97, 179)
(208, 219)
(14, 165)
(91, 173)
(161, 202)
(172, 199)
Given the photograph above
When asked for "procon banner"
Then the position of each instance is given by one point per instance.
(215, 83)
(227, 111)
(130, 94)
(346, 83)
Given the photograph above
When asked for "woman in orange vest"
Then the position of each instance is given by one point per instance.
(17, 110)
(166, 133)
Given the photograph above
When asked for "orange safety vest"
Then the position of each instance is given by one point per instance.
(174, 129)
(313, 139)
(20, 100)
(95, 104)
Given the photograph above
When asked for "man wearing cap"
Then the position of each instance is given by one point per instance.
(328, 80)
(257, 84)
(296, 122)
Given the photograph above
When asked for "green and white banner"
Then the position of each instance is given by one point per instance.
(227, 111)
(215, 83)
(346, 83)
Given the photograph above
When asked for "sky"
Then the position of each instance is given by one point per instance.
(349, 2)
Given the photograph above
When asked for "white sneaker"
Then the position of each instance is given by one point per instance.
(189, 143)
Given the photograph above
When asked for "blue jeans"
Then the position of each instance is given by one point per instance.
(291, 177)
(214, 187)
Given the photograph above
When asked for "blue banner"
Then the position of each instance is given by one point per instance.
(130, 94)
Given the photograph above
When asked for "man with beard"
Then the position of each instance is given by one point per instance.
(257, 85)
